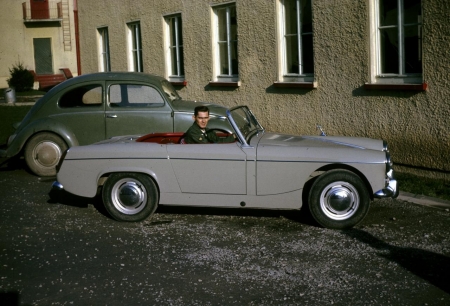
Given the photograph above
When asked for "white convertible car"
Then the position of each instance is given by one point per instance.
(336, 177)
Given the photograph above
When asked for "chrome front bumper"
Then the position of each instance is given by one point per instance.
(391, 190)
(57, 186)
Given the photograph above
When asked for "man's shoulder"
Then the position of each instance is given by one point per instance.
(193, 128)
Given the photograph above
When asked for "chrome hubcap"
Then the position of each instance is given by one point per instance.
(339, 200)
(129, 196)
(47, 153)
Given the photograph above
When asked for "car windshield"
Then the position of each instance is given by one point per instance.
(245, 122)
(170, 92)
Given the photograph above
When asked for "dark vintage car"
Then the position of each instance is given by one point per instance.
(98, 106)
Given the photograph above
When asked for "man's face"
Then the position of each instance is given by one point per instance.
(202, 119)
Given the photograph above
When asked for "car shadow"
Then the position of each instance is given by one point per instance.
(10, 298)
(66, 198)
(431, 267)
(300, 216)
(12, 163)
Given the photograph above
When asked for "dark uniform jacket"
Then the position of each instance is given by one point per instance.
(195, 135)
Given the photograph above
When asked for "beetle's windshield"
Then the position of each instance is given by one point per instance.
(170, 92)
(245, 122)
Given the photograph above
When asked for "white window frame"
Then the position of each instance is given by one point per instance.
(179, 77)
(104, 60)
(232, 76)
(283, 75)
(376, 76)
(134, 47)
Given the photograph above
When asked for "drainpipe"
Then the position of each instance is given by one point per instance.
(77, 36)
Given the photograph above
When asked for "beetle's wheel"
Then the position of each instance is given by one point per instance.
(130, 196)
(43, 152)
(338, 199)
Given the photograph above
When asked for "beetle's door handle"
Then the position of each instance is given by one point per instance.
(111, 116)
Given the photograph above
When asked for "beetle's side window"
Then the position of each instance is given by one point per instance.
(89, 95)
(127, 95)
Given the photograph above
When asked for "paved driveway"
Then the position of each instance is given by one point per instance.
(68, 251)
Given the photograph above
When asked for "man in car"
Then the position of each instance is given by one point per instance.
(198, 133)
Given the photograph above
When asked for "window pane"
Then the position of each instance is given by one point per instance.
(413, 52)
(290, 11)
(173, 58)
(292, 61)
(180, 32)
(233, 24)
(172, 32)
(223, 55)
(181, 72)
(307, 53)
(222, 20)
(234, 58)
(89, 95)
(388, 12)
(412, 11)
(389, 50)
(306, 17)
(121, 95)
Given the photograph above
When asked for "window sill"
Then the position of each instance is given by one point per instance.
(308, 85)
(178, 83)
(225, 84)
(411, 87)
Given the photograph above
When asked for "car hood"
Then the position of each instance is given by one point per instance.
(273, 139)
(319, 149)
(188, 106)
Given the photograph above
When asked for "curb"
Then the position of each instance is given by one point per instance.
(423, 200)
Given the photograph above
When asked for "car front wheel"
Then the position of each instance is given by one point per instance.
(43, 152)
(130, 197)
(338, 199)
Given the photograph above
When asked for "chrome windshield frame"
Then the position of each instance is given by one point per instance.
(237, 130)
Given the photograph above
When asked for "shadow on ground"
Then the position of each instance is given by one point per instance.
(431, 267)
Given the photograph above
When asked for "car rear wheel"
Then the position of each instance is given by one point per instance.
(130, 197)
(338, 199)
(43, 152)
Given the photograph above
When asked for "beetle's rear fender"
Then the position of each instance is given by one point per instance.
(38, 126)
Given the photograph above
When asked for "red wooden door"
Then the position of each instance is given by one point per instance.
(39, 9)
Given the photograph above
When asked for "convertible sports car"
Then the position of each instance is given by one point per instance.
(336, 176)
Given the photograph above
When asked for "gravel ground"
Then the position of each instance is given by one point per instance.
(68, 252)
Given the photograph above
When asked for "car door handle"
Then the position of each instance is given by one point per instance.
(111, 116)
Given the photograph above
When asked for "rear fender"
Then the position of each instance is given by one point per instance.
(44, 125)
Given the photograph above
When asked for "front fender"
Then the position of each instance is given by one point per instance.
(37, 126)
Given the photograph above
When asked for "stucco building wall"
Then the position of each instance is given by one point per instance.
(17, 39)
(415, 124)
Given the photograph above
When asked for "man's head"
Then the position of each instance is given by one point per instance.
(201, 116)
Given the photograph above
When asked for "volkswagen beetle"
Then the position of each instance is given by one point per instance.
(97, 106)
(336, 177)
